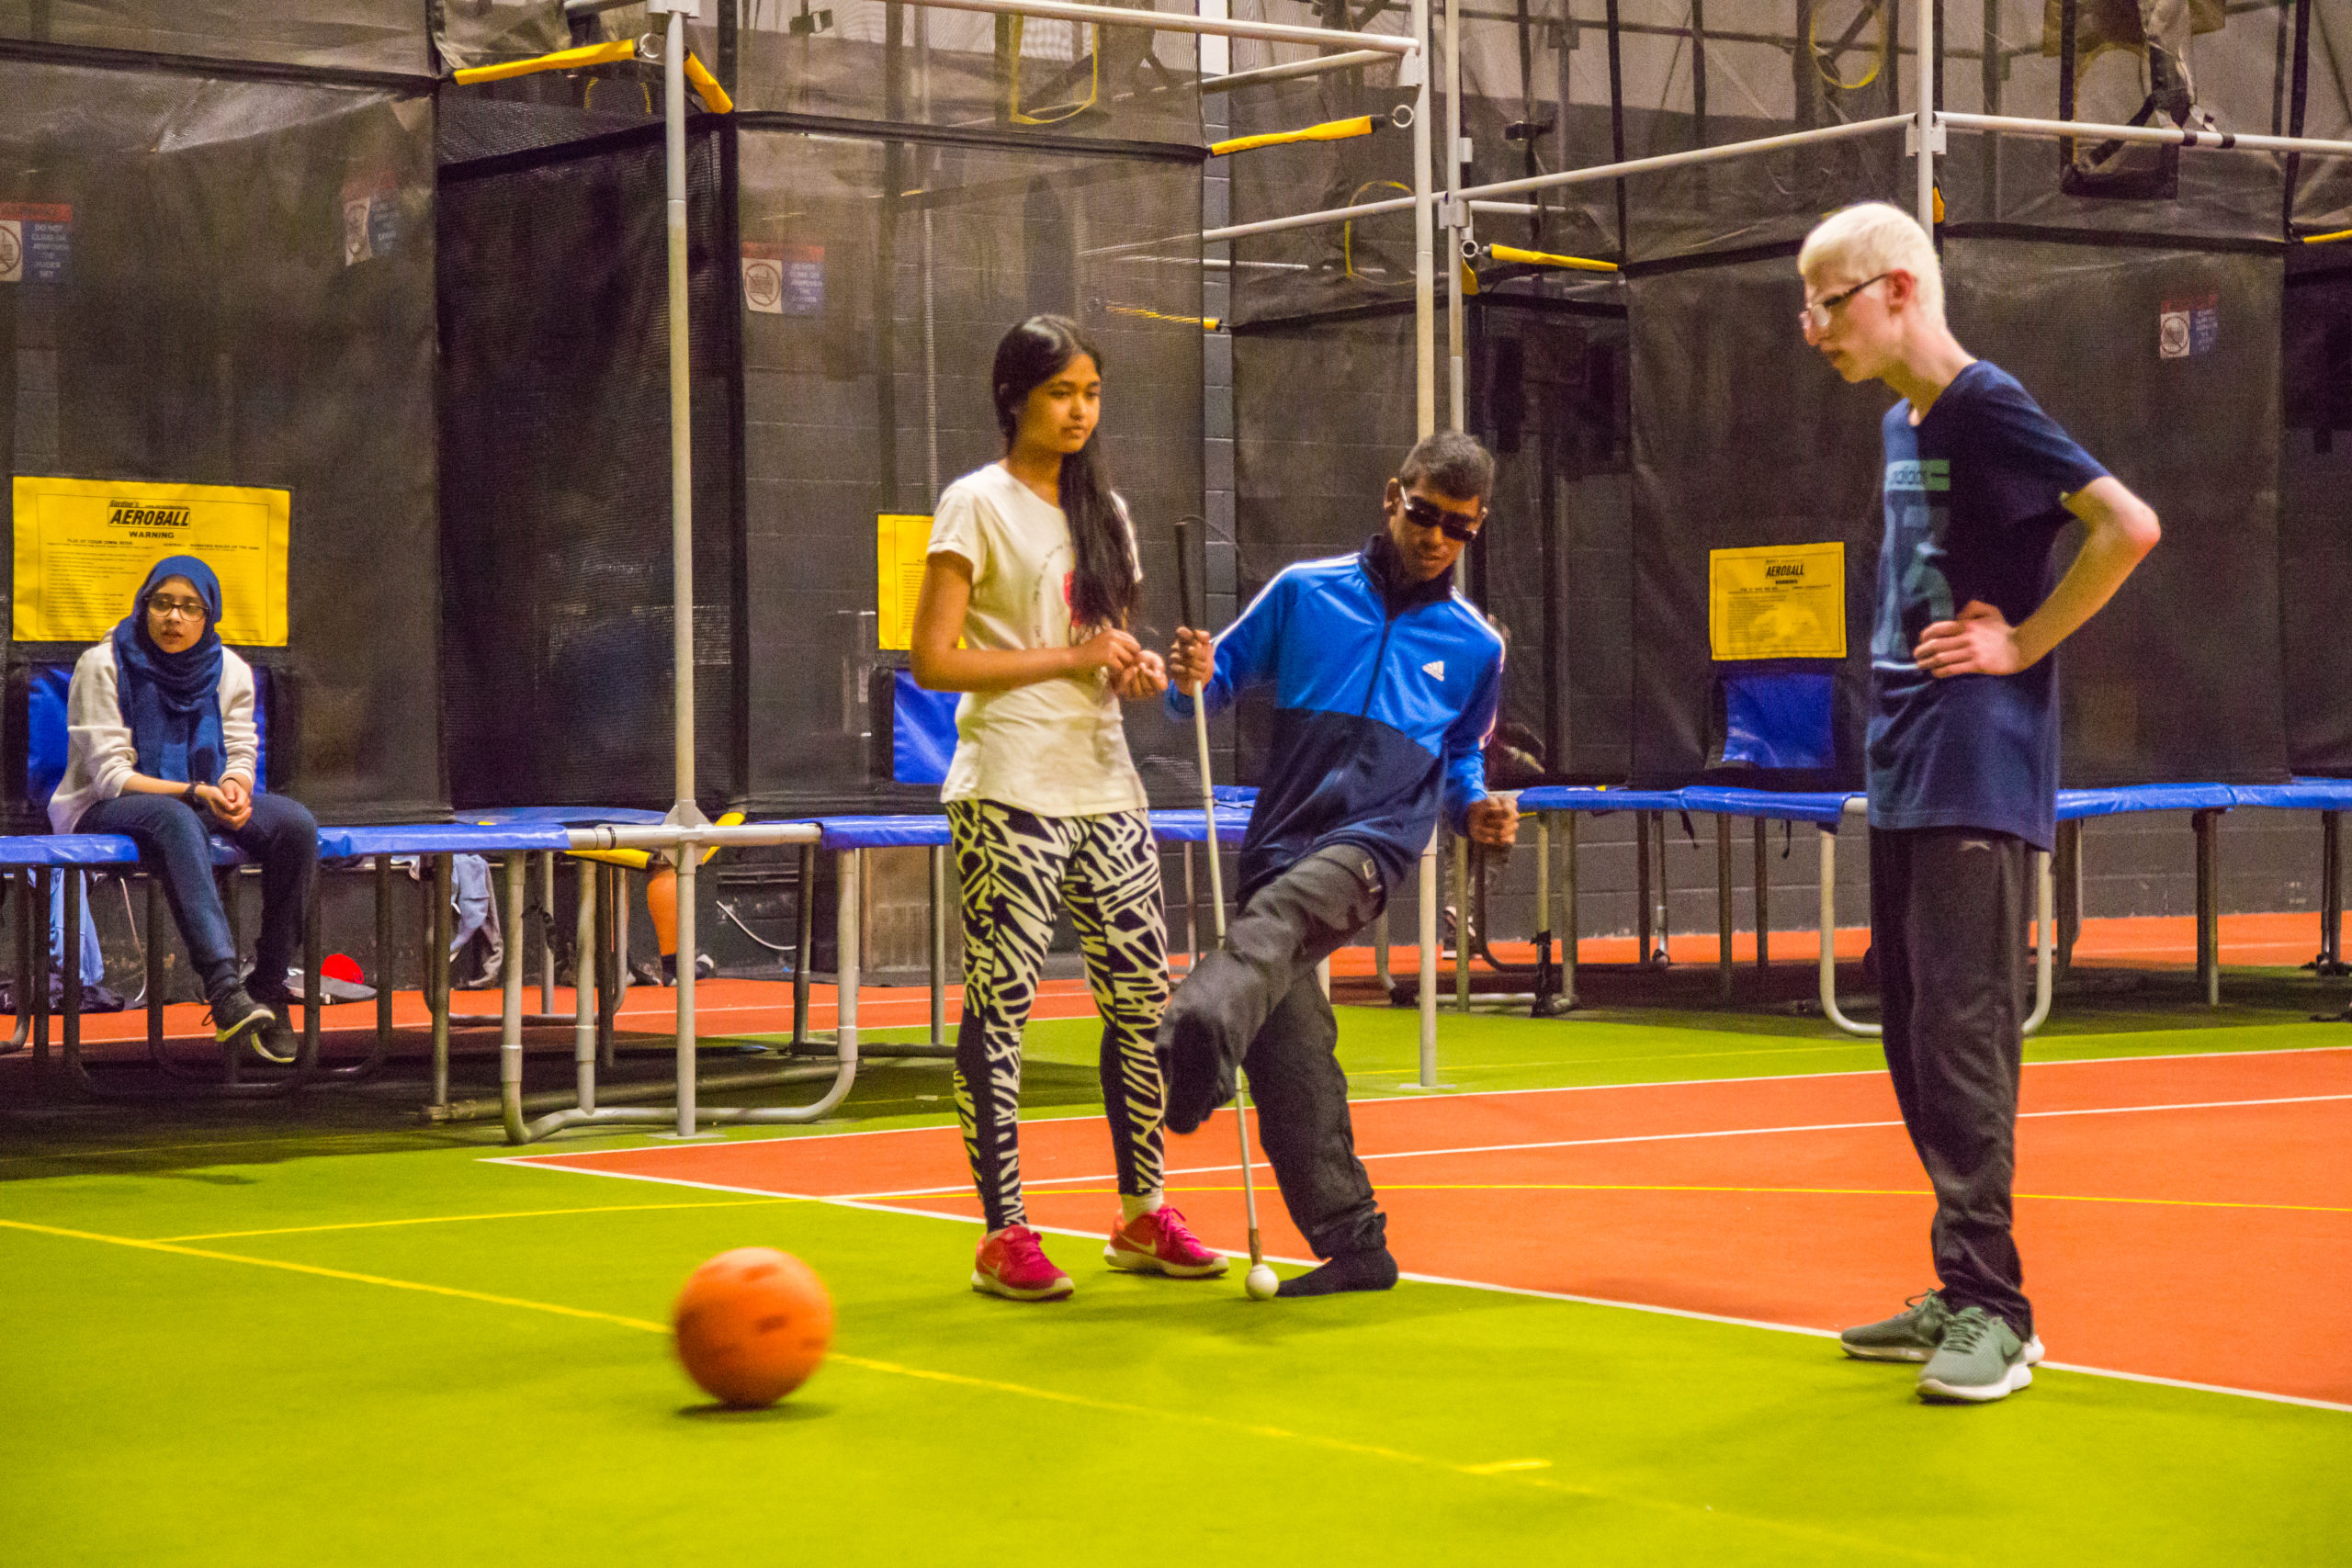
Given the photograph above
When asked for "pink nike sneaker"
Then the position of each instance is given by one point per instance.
(1012, 1264)
(1160, 1243)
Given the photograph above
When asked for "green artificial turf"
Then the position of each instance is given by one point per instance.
(169, 1407)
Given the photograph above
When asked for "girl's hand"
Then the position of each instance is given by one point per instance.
(226, 812)
(1147, 680)
(1110, 650)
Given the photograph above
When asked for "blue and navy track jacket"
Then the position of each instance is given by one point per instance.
(1384, 701)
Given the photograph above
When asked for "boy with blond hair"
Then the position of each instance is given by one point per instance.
(1963, 754)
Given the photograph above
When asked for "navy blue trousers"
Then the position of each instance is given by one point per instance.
(281, 836)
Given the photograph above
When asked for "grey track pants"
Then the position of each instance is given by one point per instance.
(1948, 918)
(1258, 1002)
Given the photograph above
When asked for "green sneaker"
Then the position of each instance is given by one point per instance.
(1981, 1359)
(1911, 1335)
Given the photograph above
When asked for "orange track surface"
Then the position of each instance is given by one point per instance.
(2204, 1241)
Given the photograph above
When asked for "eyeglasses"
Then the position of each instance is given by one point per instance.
(1816, 316)
(165, 606)
(1423, 513)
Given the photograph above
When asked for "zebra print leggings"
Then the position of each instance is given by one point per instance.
(1015, 869)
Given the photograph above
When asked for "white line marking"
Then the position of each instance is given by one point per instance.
(1756, 1323)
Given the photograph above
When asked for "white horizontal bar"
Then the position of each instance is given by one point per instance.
(1347, 62)
(663, 836)
(2160, 135)
(1508, 208)
(1685, 160)
(1265, 226)
(1178, 22)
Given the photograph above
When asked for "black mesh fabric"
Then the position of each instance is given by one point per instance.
(555, 480)
(1324, 415)
(848, 415)
(2315, 521)
(210, 328)
(335, 35)
(1741, 437)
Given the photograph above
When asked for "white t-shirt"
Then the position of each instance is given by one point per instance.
(1056, 747)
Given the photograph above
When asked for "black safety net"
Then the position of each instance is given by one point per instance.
(385, 36)
(556, 537)
(230, 282)
(865, 392)
(2316, 520)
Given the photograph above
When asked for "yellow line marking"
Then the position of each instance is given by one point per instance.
(346, 1274)
(1516, 1471)
(453, 1219)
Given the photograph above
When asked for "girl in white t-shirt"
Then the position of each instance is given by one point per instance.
(1027, 597)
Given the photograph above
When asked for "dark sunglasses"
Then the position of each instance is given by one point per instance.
(1423, 513)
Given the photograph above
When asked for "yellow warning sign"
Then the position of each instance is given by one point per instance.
(84, 546)
(901, 546)
(1776, 601)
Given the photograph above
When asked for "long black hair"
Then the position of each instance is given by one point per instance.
(1103, 588)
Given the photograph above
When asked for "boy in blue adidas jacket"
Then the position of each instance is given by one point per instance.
(1386, 683)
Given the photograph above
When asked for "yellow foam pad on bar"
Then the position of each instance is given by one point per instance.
(561, 60)
(1330, 131)
(642, 860)
(2327, 239)
(1545, 258)
(714, 97)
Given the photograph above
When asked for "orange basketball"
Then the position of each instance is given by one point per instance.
(751, 1324)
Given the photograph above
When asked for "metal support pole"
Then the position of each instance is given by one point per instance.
(1455, 216)
(1642, 932)
(1424, 241)
(155, 925)
(510, 1012)
(687, 854)
(2209, 913)
(1427, 912)
(938, 945)
(1542, 871)
(2331, 882)
(436, 973)
(383, 872)
(546, 932)
(1663, 889)
(1569, 916)
(1829, 1008)
(1191, 916)
(613, 896)
(804, 945)
(37, 921)
(1923, 25)
(850, 876)
(2045, 939)
(584, 986)
(1723, 906)
(1380, 938)
(1763, 902)
(307, 1054)
(1461, 925)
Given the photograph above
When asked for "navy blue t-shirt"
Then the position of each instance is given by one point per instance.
(1972, 494)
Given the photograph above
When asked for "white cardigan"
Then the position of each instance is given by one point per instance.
(100, 753)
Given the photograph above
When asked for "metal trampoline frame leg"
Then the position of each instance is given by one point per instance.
(2045, 933)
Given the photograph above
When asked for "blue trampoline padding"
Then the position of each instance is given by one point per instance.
(2073, 804)
(2299, 794)
(1588, 797)
(88, 849)
(1825, 808)
(566, 816)
(903, 831)
(1192, 826)
(922, 731)
(1779, 721)
(442, 839)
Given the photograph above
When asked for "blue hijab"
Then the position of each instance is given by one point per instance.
(172, 701)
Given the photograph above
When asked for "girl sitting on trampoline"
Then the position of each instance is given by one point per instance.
(162, 749)
(1025, 597)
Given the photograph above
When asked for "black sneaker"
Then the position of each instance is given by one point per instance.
(276, 1040)
(235, 1013)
